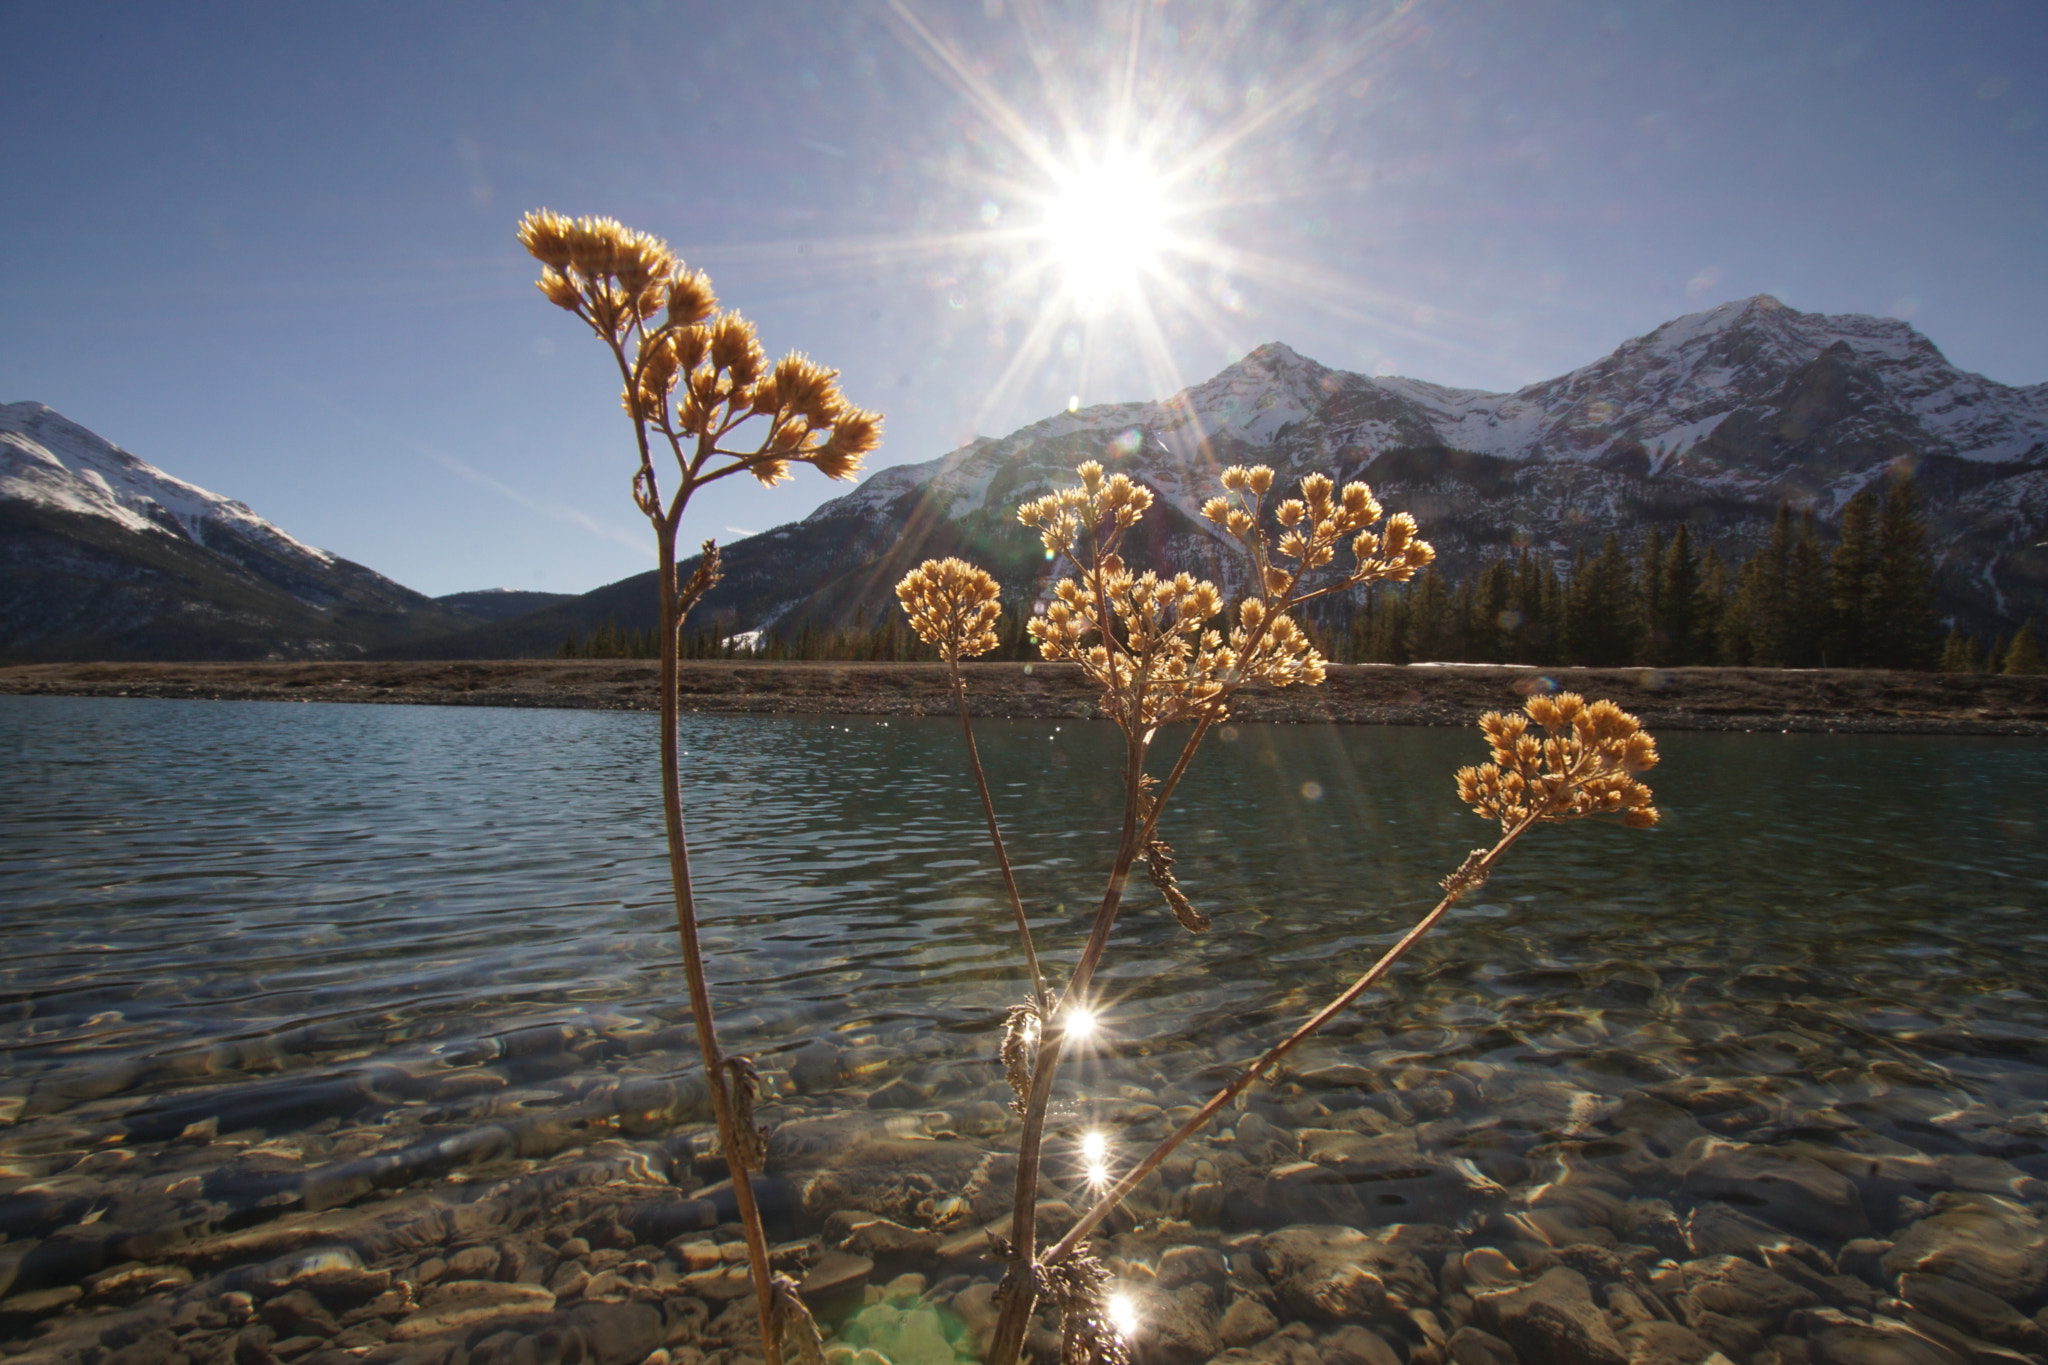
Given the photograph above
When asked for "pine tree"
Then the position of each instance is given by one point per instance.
(1852, 573)
(1547, 641)
(1391, 637)
(1808, 618)
(1678, 622)
(1902, 595)
(1959, 652)
(1757, 628)
(1710, 609)
(1602, 628)
(1653, 646)
(1492, 623)
(1466, 632)
(2023, 655)
(1430, 636)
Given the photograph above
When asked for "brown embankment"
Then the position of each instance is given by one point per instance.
(1366, 694)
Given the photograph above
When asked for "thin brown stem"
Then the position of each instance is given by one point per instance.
(1008, 1338)
(693, 954)
(1118, 1192)
(995, 837)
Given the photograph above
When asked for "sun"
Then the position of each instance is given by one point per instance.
(1106, 226)
(1102, 225)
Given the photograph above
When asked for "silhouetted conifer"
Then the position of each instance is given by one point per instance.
(2023, 655)
(1902, 589)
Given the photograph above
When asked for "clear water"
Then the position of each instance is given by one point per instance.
(350, 929)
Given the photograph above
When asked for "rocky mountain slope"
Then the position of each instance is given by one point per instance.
(1711, 420)
(104, 556)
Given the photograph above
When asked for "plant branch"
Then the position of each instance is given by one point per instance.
(1468, 876)
(1008, 1337)
(995, 837)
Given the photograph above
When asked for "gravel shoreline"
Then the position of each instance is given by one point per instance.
(1826, 700)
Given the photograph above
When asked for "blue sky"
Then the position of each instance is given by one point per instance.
(268, 247)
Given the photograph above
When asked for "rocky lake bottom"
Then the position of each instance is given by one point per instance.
(340, 1034)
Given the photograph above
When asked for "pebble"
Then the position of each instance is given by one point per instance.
(1788, 1191)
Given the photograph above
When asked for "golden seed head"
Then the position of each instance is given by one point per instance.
(545, 235)
(1584, 767)
(855, 433)
(594, 245)
(735, 349)
(559, 289)
(1234, 478)
(1259, 478)
(1315, 491)
(690, 298)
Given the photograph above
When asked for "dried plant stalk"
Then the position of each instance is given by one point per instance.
(954, 606)
(695, 380)
(1150, 644)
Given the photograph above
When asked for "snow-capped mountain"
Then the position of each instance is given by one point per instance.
(106, 556)
(1712, 419)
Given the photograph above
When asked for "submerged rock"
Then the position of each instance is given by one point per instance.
(1246, 1321)
(1787, 1190)
(1994, 1244)
(1552, 1321)
(1341, 1273)
(1836, 1338)
(1970, 1309)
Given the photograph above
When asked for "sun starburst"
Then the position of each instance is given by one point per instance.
(1107, 227)
(1117, 222)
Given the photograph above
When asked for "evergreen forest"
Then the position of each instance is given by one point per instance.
(1862, 597)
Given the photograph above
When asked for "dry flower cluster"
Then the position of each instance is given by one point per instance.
(1586, 766)
(1149, 642)
(953, 605)
(695, 374)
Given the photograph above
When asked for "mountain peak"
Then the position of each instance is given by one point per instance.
(52, 460)
(106, 556)
(1275, 357)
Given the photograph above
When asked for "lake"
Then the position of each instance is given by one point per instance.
(344, 1008)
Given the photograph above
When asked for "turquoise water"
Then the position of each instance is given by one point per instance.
(362, 927)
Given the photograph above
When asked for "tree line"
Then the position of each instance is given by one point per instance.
(1864, 599)
(1861, 598)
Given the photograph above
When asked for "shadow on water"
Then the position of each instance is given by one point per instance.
(267, 963)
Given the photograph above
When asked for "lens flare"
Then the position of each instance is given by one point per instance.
(1095, 1158)
(1123, 1314)
(1082, 1024)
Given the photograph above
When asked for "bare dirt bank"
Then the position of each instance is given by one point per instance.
(1363, 694)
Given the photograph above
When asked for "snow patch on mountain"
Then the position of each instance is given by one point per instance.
(49, 460)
